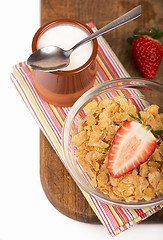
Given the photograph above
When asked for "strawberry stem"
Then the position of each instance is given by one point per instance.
(139, 115)
(157, 132)
(140, 120)
(153, 33)
(137, 119)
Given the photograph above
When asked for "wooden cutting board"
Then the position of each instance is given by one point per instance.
(58, 185)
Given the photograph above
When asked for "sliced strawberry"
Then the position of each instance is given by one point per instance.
(132, 145)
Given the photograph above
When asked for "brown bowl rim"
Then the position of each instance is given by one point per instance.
(48, 25)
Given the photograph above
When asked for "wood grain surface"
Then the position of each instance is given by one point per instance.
(58, 185)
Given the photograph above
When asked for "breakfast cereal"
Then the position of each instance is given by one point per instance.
(93, 142)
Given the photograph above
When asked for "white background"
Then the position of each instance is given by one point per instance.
(25, 212)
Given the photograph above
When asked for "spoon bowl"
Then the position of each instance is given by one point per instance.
(52, 58)
(43, 59)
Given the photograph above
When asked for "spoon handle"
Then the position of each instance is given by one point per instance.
(129, 16)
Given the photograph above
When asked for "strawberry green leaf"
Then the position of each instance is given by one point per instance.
(136, 118)
(139, 118)
(158, 132)
(130, 40)
(153, 33)
(139, 115)
(136, 31)
(159, 35)
(148, 127)
(156, 136)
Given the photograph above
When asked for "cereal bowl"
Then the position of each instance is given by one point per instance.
(86, 157)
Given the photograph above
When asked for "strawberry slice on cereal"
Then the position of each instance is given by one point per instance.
(132, 145)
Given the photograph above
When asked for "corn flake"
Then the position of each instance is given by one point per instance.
(94, 139)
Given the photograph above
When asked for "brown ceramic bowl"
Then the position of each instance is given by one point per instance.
(63, 88)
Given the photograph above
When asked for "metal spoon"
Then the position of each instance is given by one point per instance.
(53, 58)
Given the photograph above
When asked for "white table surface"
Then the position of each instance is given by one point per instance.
(25, 212)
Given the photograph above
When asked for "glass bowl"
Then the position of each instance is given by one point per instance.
(143, 93)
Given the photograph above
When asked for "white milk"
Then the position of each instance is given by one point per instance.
(66, 36)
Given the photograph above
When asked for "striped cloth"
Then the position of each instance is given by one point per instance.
(50, 119)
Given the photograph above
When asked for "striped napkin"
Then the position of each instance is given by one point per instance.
(50, 119)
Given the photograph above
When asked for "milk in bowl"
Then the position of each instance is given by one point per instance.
(66, 36)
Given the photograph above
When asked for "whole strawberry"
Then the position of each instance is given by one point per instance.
(147, 51)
